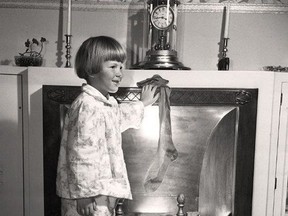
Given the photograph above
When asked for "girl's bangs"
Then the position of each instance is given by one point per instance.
(115, 55)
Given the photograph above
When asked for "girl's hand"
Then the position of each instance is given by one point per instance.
(86, 206)
(148, 96)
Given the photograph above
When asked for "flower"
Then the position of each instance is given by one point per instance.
(34, 47)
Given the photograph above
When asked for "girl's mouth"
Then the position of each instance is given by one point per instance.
(117, 82)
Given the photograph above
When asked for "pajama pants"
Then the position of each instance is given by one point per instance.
(105, 206)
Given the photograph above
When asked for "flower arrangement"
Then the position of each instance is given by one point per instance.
(32, 55)
(276, 68)
(34, 47)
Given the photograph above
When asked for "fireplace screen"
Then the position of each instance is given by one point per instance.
(213, 142)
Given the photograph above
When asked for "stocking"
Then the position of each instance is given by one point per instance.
(166, 152)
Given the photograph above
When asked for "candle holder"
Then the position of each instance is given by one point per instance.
(181, 202)
(68, 50)
(224, 62)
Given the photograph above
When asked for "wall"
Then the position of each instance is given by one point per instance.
(256, 39)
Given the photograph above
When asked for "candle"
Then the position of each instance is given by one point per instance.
(69, 18)
(168, 8)
(227, 16)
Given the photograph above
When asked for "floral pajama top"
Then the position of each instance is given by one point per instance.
(91, 160)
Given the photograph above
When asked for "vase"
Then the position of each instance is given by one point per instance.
(28, 61)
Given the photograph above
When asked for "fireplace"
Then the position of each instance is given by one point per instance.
(213, 131)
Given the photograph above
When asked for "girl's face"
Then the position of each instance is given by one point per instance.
(109, 78)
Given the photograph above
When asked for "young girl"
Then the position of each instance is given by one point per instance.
(91, 169)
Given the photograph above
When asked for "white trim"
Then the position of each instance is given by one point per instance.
(282, 156)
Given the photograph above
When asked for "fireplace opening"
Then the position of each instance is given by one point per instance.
(213, 132)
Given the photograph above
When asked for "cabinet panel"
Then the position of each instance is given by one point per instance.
(280, 203)
(11, 152)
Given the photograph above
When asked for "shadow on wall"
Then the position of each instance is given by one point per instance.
(60, 41)
(220, 54)
(136, 37)
(6, 62)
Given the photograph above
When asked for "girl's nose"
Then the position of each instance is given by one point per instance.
(119, 72)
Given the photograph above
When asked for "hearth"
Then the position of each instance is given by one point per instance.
(213, 132)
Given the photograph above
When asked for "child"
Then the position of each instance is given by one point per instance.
(91, 169)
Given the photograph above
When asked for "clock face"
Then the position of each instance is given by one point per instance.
(161, 18)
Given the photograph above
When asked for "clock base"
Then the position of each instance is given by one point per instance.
(162, 60)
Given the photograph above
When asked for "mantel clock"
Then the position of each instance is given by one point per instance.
(162, 29)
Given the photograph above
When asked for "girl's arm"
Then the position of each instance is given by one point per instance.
(131, 114)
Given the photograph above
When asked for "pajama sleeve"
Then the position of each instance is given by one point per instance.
(131, 115)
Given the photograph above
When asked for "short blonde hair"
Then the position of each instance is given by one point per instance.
(94, 51)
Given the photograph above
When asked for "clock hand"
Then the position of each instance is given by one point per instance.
(160, 18)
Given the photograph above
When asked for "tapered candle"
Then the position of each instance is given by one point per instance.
(168, 8)
(227, 17)
(69, 18)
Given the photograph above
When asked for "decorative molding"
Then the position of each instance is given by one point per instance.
(243, 97)
(178, 96)
(77, 5)
(221, 97)
(134, 5)
(235, 7)
(62, 94)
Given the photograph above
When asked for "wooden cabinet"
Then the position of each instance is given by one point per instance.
(11, 146)
(21, 153)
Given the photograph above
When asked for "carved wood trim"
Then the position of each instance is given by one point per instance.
(178, 97)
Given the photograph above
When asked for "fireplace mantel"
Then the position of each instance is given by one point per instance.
(269, 93)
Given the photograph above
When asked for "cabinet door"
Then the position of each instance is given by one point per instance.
(11, 157)
(280, 202)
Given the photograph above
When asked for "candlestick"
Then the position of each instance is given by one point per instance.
(225, 45)
(181, 201)
(119, 210)
(224, 62)
(227, 17)
(68, 48)
(69, 17)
